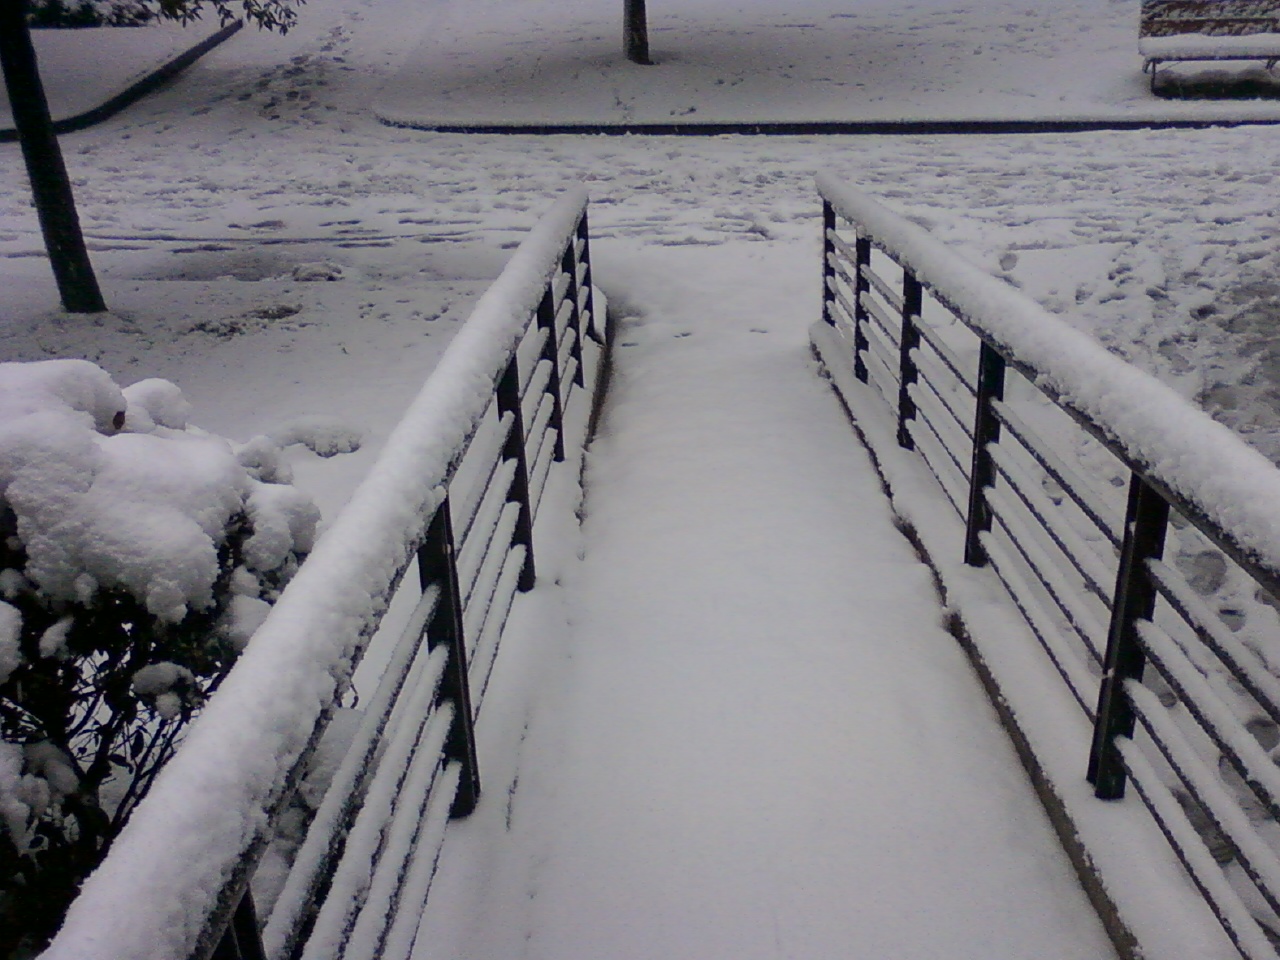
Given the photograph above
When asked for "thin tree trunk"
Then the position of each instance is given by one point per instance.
(635, 31)
(50, 185)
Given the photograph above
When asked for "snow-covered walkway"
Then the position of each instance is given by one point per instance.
(757, 740)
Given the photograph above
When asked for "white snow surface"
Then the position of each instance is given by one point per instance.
(750, 735)
(209, 205)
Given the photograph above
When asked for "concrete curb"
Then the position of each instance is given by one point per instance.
(830, 128)
(138, 89)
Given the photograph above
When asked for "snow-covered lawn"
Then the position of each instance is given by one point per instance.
(717, 61)
(265, 158)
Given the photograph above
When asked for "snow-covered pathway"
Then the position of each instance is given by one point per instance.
(758, 740)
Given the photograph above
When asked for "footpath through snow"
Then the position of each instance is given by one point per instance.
(753, 737)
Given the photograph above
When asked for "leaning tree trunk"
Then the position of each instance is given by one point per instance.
(635, 31)
(50, 186)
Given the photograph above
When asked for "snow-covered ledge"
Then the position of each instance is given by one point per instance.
(150, 898)
(1195, 46)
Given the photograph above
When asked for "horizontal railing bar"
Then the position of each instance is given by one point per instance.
(354, 870)
(841, 298)
(841, 280)
(398, 841)
(537, 392)
(534, 342)
(1072, 485)
(471, 553)
(926, 439)
(887, 323)
(487, 576)
(559, 284)
(926, 363)
(1076, 549)
(469, 505)
(881, 286)
(1079, 682)
(314, 857)
(941, 419)
(948, 356)
(1243, 663)
(399, 942)
(1226, 905)
(1256, 858)
(486, 650)
(563, 313)
(1214, 717)
(1083, 621)
(840, 248)
(542, 468)
(566, 351)
(570, 368)
(882, 372)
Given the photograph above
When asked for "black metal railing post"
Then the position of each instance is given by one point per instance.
(982, 474)
(242, 939)
(437, 564)
(584, 235)
(1146, 521)
(861, 287)
(514, 448)
(828, 262)
(912, 302)
(551, 353)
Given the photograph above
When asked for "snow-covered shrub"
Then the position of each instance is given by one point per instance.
(89, 13)
(137, 556)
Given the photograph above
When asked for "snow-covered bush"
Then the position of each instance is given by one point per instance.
(89, 13)
(137, 556)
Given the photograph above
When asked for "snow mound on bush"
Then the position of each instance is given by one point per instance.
(146, 510)
(323, 436)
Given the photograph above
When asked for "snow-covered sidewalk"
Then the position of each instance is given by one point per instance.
(755, 739)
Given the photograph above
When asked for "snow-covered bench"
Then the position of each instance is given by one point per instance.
(1208, 30)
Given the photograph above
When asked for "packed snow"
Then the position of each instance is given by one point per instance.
(296, 268)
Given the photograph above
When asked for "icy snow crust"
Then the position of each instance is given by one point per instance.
(207, 806)
(1181, 447)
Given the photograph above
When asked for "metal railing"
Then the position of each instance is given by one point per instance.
(1137, 539)
(454, 495)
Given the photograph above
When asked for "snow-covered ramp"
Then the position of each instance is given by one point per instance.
(746, 731)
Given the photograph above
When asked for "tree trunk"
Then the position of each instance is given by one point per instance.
(635, 31)
(50, 186)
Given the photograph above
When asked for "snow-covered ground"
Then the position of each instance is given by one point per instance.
(268, 245)
(84, 75)
(755, 61)
(265, 157)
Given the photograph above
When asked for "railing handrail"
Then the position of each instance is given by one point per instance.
(189, 838)
(1220, 483)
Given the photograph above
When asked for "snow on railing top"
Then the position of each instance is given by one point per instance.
(150, 898)
(1217, 476)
